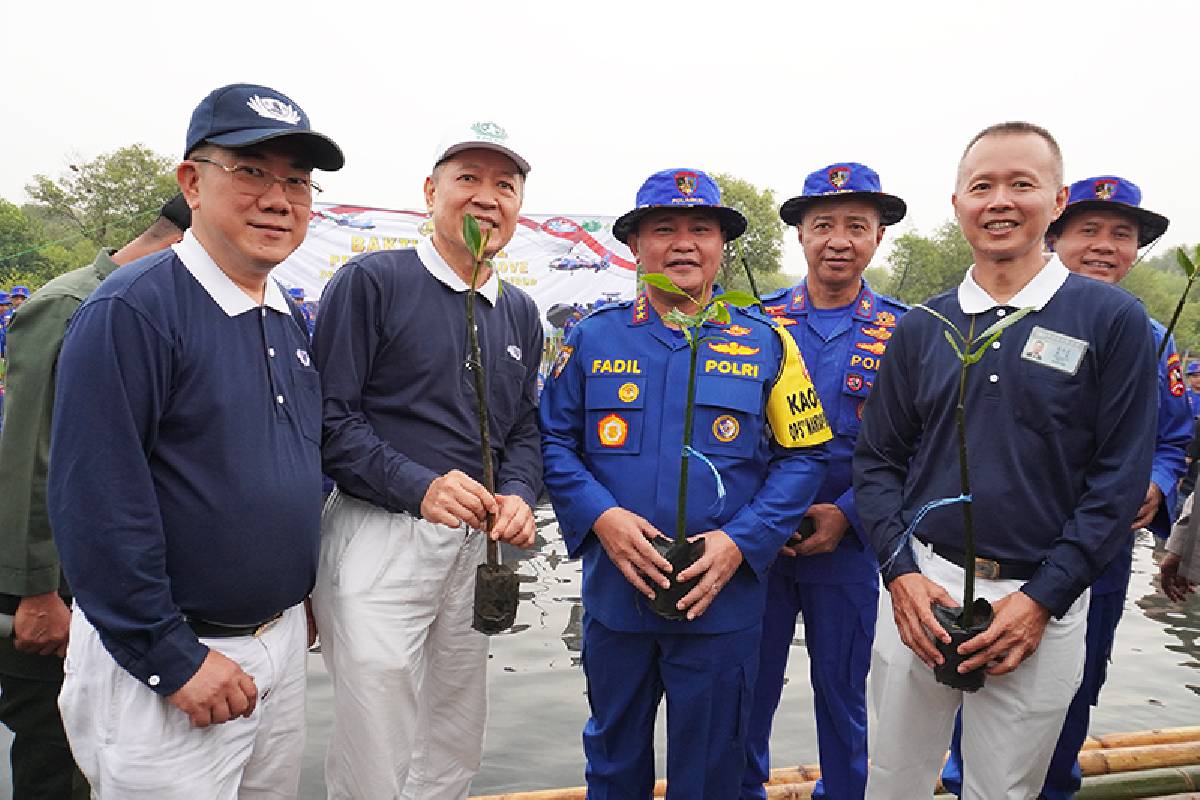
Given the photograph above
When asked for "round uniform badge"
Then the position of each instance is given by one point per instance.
(628, 392)
(613, 430)
(726, 428)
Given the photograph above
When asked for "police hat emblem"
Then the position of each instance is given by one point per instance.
(838, 176)
(1105, 189)
(685, 182)
(489, 130)
(273, 108)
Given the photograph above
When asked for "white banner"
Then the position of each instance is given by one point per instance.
(563, 263)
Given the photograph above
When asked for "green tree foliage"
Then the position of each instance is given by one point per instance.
(921, 266)
(762, 243)
(110, 199)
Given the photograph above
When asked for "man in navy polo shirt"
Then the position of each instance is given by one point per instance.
(403, 532)
(1059, 429)
(1098, 236)
(842, 328)
(185, 485)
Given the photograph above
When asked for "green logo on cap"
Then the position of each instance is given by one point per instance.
(489, 130)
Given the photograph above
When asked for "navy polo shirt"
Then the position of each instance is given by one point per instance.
(399, 402)
(184, 464)
(1058, 458)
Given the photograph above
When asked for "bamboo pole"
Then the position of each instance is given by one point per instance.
(1117, 754)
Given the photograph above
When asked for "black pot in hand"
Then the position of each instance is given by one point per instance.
(681, 556)
(951, 619)
(497, 594)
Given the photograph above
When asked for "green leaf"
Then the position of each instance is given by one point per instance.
(740, 299)
(678, 318)
(722, 315)
(953, 343)
(945, 322)
(471, 235)
(993, 331)
(660, 281)
(1189, 268)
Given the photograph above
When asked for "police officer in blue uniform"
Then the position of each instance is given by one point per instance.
(612, 422)
(5, 313)
(1098, 235)
(310, 319)
(1192, 375)
(830, 575)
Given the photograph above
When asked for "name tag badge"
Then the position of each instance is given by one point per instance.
(1055, 350)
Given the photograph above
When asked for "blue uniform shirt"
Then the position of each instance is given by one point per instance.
(185, 460)
(843, 359)
(1058, 458)
(612, 427)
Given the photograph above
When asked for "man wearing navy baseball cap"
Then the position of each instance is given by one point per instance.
(186, 508)
(613, 416)
(1098, 235)
(828, 571)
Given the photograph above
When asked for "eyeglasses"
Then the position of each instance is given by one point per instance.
(258, 181)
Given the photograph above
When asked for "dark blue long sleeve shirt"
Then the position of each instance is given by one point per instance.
(1058, 461)
(184, 462)
(399, 402)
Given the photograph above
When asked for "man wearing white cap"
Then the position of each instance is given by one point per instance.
(402, 533)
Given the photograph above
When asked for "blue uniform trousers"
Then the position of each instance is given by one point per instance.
(839, 626)
(1064, 778)
(708, 680)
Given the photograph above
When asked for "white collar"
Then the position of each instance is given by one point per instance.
(224, 292)
(439, 269)
(974, 300)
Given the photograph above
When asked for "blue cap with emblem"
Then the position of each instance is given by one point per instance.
(1193, 368)
(19, 291)
(1112, 193)
(4, 301)
(847, 179)
(243, 114)
(680, 189)
(296, 293)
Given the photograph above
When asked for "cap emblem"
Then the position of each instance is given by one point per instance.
(838, 176)
(685, 182)
(272, 108)
(490, 131)
(1105, 189)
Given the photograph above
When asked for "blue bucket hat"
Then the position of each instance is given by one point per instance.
(296, 293)
(243, 114)
(1193, 368)
(846, 179)
(19, 291)
(1112, 193)
(676, 189)
(4, 301)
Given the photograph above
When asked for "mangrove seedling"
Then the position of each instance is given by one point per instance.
(1188, 265)
(497, 591)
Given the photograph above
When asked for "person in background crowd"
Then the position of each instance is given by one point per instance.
(612, 423)
(1060, 443)
(1098, 236)
(305, 309)
(831, 576)
(404, 530)
(31, 585)
(1192, 375)
(186, 505)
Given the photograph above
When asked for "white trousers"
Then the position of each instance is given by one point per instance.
(131, 743)
(1010, 726)
(394, 604)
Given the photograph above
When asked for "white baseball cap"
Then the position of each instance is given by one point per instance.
(483, 134)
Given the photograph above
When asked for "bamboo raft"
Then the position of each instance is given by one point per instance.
(1163, 764)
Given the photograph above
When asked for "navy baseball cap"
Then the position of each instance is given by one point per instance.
(677, 189)
(19, 291)
(847, 179)
(1112, 193)
(243, 114)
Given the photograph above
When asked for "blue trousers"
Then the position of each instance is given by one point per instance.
(839, 626)
(1064, 777)
(707, 679)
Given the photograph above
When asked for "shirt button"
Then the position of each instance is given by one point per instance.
(262, 310)
(271, 351)
(279, 398)
(996, 345)
(154, 680)
(1000, 312)
(993, 378)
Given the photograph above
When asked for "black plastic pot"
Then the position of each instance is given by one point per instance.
(951, 619)
(497, 593)
(681, 556)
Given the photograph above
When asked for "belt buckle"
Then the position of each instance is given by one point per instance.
(987, 569)
(266, 626)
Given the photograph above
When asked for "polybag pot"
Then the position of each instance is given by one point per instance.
(681, 555)
(951, 619)
(497, 593)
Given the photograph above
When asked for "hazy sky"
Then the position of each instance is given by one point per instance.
(604, 93)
